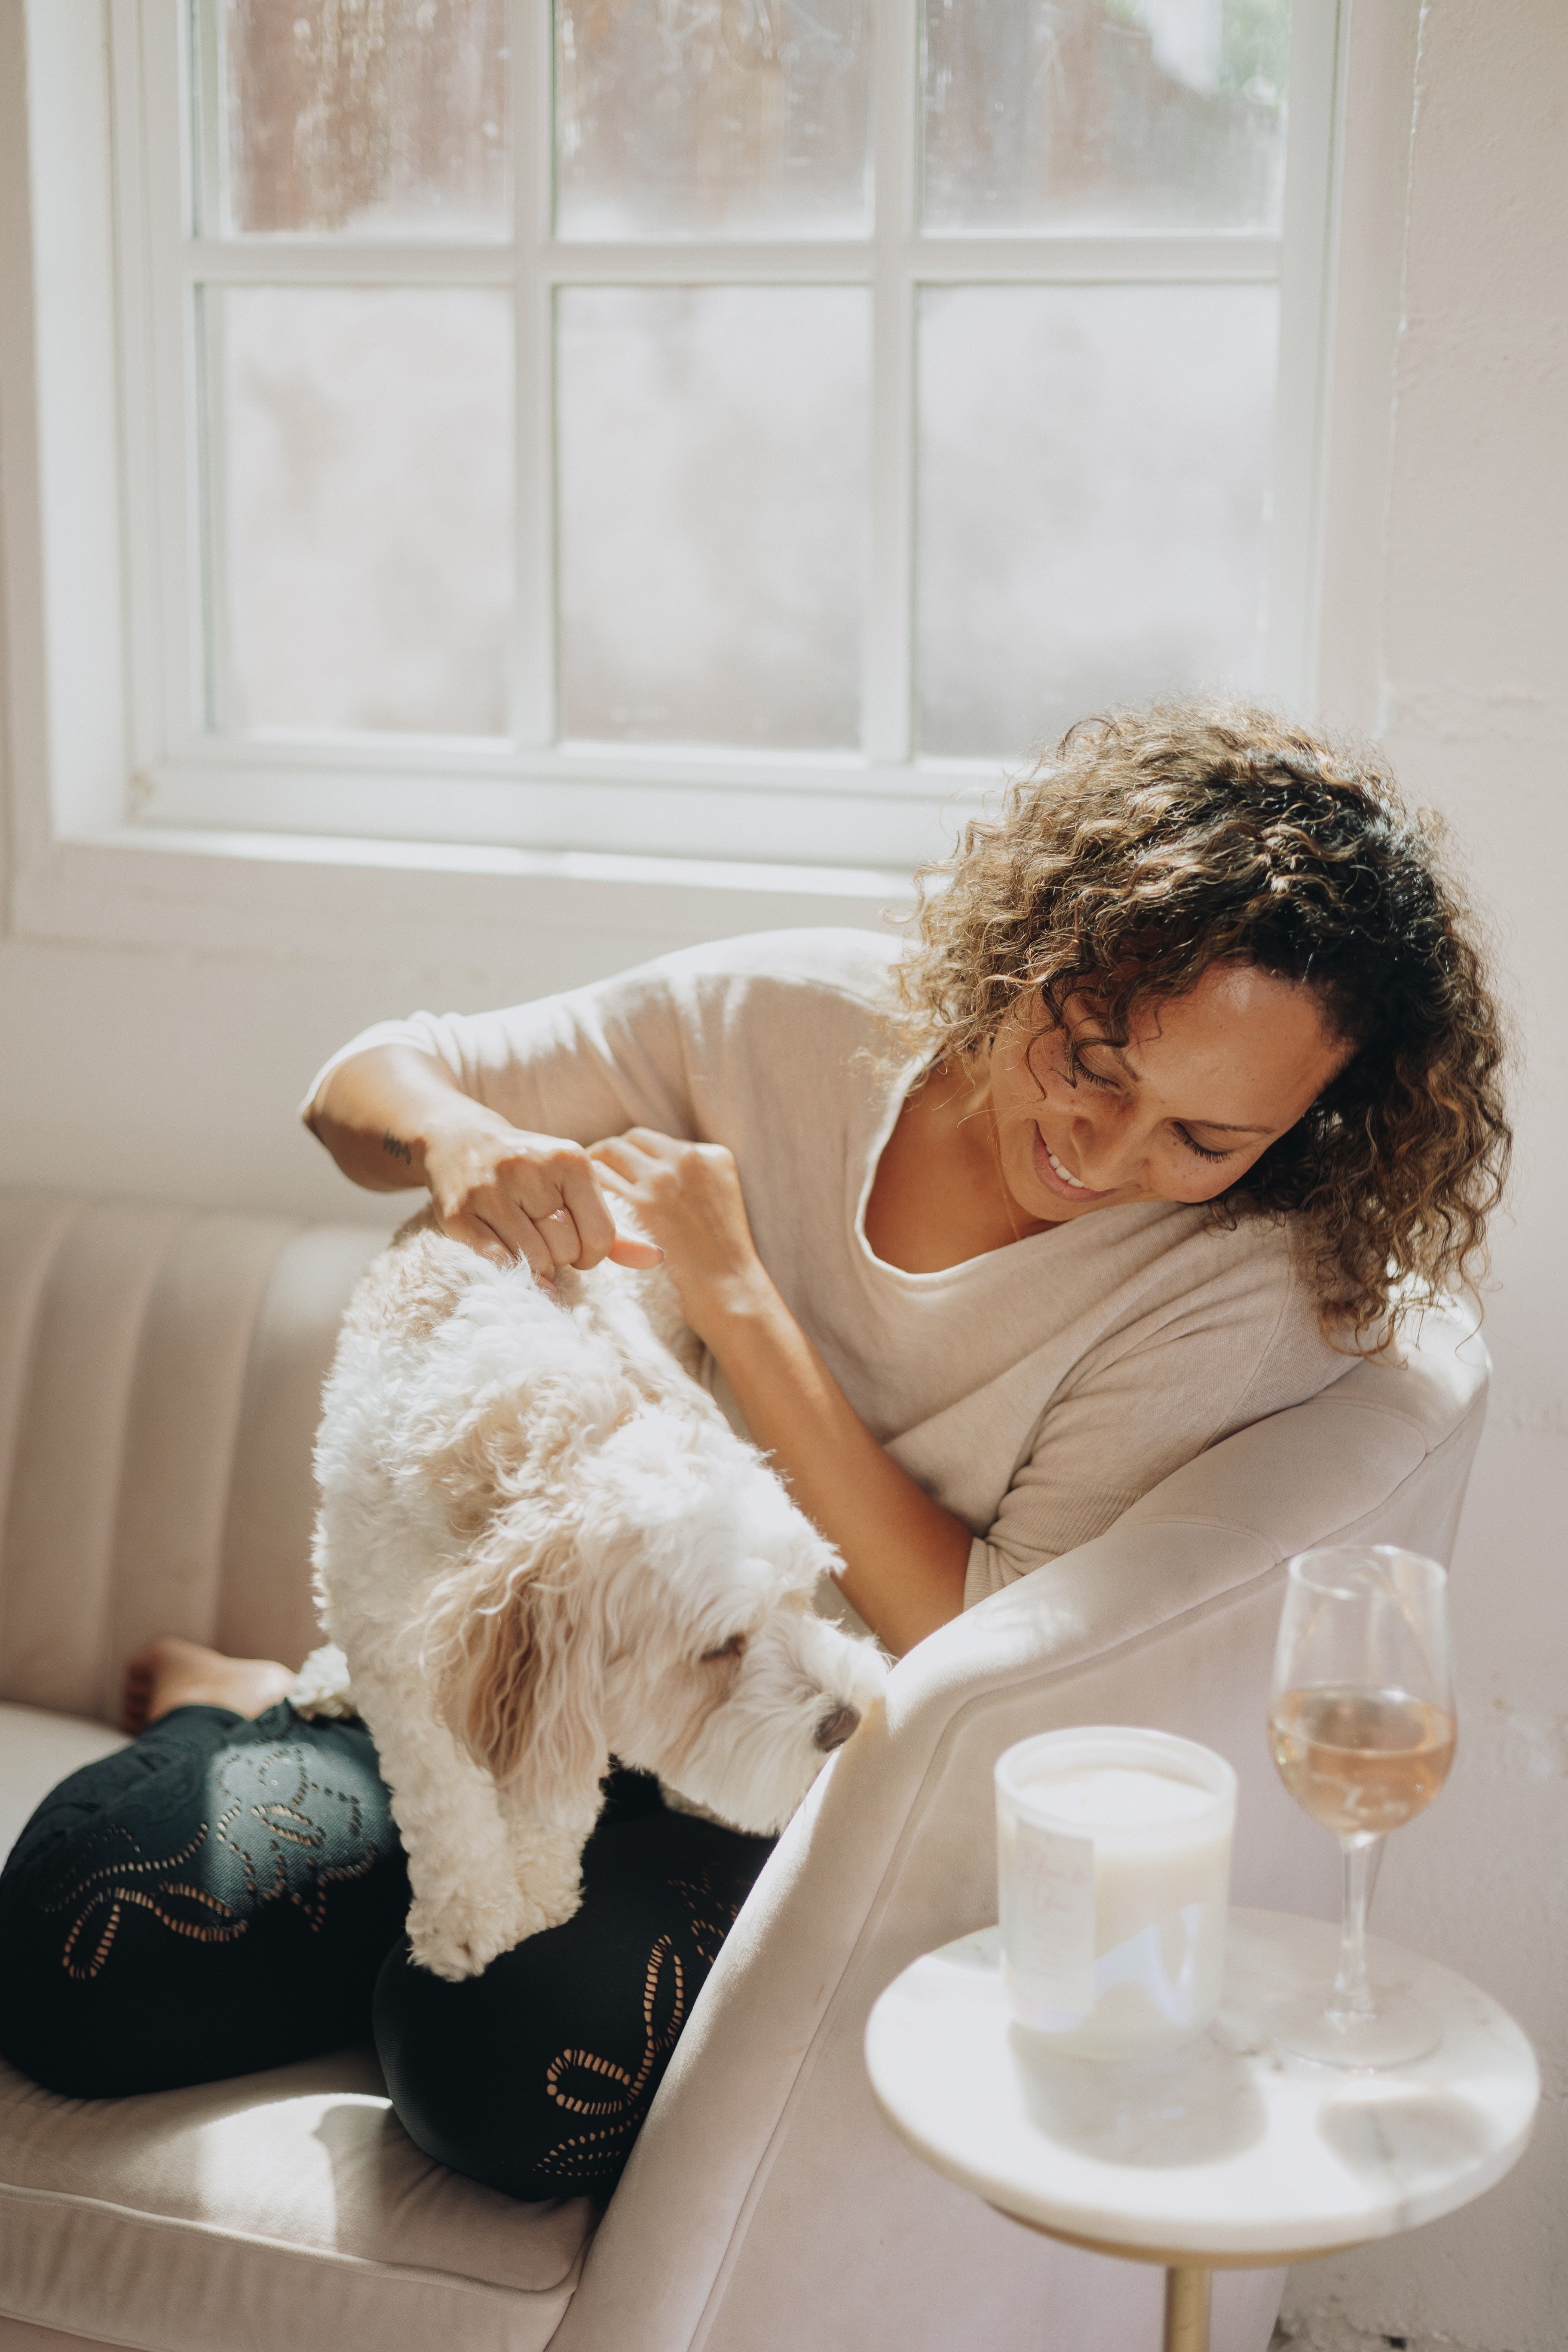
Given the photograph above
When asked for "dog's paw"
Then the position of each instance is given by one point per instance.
(548, 1871)
(459, 1939)
(322, 1685)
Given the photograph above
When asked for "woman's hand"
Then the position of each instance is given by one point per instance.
(688, 1197)
(509, 1195)
(394, 1117)
(904, 1556)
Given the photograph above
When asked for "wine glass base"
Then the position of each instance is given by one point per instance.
(1400, 2031)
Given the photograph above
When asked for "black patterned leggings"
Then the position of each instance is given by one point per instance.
(223, 1896)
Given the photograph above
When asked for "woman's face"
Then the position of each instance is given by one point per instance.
(1205, 1082)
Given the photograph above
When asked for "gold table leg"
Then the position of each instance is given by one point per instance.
(1186, 2310)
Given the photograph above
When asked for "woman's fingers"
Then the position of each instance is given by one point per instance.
(510, 1195)
(501, 1249)
(544, 1201)
(581, 1208)
(496, 1205)
(623, 1251)
(558, 1232)
(668, 1149)
(620, 1153)
(548, 1208)
(615, 1164)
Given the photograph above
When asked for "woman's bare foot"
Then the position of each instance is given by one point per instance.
(169, 1673)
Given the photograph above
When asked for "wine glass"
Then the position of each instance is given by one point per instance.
(1361, 1726)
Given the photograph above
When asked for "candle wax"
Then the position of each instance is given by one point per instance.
(1113, 1866)
(1160, 1842)
(1112, 1796)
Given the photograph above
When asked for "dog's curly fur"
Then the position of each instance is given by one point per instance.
(539, 1544)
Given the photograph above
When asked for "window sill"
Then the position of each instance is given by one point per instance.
(302, 896)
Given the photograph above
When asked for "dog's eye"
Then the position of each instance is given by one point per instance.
(733, 1648)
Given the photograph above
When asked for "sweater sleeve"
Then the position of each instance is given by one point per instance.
(1133, 1414)
(583, 1065)
(672, 1044)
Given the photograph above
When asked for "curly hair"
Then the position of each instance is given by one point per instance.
(1155, 843)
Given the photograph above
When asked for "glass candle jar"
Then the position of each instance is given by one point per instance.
(1113, 1866)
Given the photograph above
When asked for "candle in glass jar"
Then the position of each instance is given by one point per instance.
(1114, 1868)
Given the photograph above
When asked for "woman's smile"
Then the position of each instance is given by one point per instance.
(1058, 1179)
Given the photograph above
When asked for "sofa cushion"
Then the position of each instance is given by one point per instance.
(38, 1750)
(285, 2208)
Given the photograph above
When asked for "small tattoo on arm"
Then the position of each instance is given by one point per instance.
(397, 1148)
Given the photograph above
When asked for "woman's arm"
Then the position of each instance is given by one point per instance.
(393, 1116)
(904, 1557)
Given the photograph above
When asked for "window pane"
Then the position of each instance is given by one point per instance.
(1104, 114)
(713, 118)
(1094, 465)
(380, 118)
(362, 442)
(712, 485)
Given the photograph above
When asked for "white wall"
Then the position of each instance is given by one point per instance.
(1474, 670)
(156, 1072)
(176, 1075)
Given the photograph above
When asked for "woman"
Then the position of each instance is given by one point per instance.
(1187, 1093)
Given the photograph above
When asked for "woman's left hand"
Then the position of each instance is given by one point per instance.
(687, 1199)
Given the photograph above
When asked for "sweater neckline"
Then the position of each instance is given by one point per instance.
(966, 1268)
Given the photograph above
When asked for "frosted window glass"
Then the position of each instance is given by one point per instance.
(1094, 467)
(713, 118)
(712, 485)
(1097, 115)
(376, 117)
(363, 506)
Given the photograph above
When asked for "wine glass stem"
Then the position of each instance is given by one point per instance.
(1351, 1996)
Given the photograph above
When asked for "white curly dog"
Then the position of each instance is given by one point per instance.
(541, 1545)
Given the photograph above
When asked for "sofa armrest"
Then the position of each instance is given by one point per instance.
(743, 2218)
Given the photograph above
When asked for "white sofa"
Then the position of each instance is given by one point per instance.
(159, 1375)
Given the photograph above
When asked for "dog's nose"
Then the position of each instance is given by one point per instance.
(836, 1726)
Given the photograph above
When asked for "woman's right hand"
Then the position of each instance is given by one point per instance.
(509, 1195)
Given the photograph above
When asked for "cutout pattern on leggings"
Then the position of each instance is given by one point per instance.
(580, 2081)
(270, 1828)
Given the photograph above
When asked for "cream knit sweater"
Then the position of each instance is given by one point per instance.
(1035, 1391)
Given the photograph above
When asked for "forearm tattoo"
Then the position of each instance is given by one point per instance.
(396, 1149)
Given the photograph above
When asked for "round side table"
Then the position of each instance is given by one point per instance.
(1230, 2155)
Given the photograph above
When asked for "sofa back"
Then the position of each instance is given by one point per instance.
(161, 1373)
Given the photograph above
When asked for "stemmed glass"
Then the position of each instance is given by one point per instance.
(1362, 1725)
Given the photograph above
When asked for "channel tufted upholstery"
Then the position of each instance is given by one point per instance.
(159, 1374)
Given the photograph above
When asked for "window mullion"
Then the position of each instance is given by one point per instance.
(209, 333)
(139, 476)
(887, 678)
(533, 525)
(345, 261)
(205, 326)
(208, 126)
(1305, 286)
(170, 427)
(739, 261)
(1215, 259)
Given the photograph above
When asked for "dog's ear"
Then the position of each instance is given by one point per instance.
(518, 1656)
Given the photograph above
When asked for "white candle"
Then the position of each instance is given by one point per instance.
(1113, 1859)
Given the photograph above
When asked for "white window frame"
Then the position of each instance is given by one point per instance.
(124, 830)
(878, 804)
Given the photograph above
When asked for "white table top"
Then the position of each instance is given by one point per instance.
(1228, 2152)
